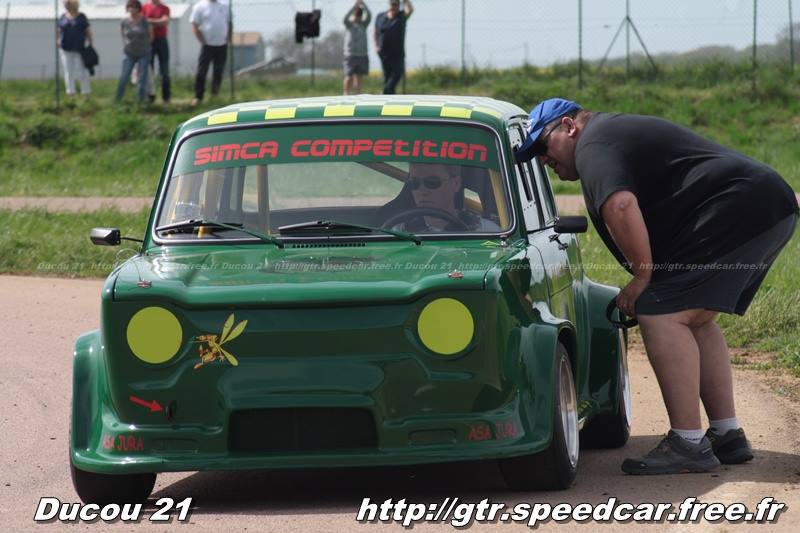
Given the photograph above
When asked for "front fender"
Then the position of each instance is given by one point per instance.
(88, 381)
(538, 343)
(606, 346)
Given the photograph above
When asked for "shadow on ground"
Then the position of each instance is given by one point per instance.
(341, 490)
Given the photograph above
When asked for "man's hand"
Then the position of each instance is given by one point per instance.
(626, 299)
(198, 34)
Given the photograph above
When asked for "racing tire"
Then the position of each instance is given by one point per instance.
(103, 489)
(613, 430)
(555, 467)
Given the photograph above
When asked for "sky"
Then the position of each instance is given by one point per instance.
(504, 33)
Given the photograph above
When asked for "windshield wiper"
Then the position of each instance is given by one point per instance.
(196, 222)
(335, 225)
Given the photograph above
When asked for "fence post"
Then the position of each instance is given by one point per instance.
(5, 34)
(56, 75)
(755, 22)
(463, 41)
(313, 48)
(580, 44)
(791, 37)
(627, 37)
(232, 45)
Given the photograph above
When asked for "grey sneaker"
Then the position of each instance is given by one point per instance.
(732, 448)
(674, 455)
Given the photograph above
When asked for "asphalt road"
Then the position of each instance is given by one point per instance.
(42, 317)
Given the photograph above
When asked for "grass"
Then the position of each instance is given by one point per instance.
(92, 147)
(39, 243)
(772, 322)
(95, 148)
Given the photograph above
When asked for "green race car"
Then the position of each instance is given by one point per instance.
(348, 281)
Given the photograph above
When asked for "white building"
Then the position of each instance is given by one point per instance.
(30, 51)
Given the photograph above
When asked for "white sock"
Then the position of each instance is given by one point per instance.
(692, 435)
(720, 427)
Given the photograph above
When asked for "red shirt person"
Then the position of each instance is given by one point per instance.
(157, 14)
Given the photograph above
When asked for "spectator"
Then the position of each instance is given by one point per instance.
(136, 37)
(356, 60)
(664, 201)
(73, 32)
(211, 25)
(157, 14)
(390, 36)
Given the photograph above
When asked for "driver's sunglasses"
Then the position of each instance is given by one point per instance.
(430, 182)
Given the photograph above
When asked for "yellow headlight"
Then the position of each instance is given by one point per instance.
(445, 326)
(154, 335)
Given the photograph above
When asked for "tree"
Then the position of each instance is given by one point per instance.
(783, 34)
(783, 48)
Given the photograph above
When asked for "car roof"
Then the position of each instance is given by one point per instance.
(480, 109)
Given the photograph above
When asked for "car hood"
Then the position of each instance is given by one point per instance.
(303, 274)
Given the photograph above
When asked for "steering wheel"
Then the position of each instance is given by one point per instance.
(418, 212)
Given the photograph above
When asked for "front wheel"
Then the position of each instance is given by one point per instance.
(554, 468)
(111, 488)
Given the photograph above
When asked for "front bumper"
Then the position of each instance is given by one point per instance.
(121, 448)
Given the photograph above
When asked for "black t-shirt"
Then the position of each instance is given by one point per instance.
(699, 199)
(391, 33)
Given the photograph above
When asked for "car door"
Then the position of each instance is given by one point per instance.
(539, 211)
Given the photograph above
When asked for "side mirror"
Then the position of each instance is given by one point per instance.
(575, 224)
(106, 236)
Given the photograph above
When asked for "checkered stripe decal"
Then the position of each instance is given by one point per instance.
(332, 110)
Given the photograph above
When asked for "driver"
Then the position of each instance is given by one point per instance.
(436, 186)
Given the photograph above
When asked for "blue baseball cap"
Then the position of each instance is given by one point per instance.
(540, 116)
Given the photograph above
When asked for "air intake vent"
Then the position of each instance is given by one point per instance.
(306, 429)
(329, 245)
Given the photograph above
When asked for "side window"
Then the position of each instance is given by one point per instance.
(545, 192)
(530, 211)
(531, 184)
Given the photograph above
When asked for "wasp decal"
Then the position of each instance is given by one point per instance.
(211, 345)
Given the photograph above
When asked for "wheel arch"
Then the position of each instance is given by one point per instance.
(606, 345)
(568, 337)
(86, 377)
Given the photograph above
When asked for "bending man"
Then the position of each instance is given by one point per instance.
(698, 225)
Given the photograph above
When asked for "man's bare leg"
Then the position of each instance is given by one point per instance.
(675, 357)
(716, 380)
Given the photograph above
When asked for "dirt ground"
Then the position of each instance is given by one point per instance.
(42, 317)
(566, 204)
(569, 204)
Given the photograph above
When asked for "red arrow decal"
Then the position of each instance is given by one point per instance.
(154, 405)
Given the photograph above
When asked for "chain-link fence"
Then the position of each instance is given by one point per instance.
(453, 33)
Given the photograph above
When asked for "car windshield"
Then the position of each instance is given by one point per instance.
(329, 179)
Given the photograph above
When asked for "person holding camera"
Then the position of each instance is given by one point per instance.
(356, 60)
(390, 38)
